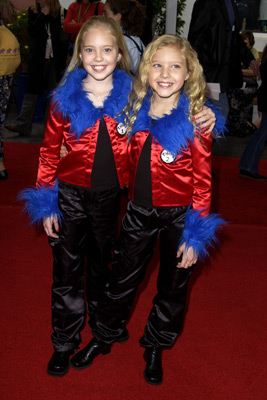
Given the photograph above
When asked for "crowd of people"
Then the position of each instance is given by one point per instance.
(124, 114)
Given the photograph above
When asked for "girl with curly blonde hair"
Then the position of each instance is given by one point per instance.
(194, 86)
(170, 196)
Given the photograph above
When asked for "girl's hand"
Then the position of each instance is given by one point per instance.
(63, 151)
(206, 118)
(189, 257)
(49, 223)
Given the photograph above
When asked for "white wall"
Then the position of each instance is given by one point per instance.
(66, 3)
(187, 16)
(260, 40)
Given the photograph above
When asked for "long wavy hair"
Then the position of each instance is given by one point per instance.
(194, 87)
(111, 26)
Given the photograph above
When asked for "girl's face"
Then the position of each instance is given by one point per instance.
(246, 41)
(108, 13)
(99, 53)
(167, 73)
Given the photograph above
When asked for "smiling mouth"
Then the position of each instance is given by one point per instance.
(165, 84)
(98, 68)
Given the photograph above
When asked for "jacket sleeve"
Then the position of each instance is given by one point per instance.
(50, 148)
(68, 25)
(201, 162)
(42, 201)
(200, 225)
(200, 24)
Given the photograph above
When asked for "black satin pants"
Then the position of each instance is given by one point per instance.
(87, 233)
(141, 228)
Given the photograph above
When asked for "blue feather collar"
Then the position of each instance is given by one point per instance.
(72, 100)
(172, 131)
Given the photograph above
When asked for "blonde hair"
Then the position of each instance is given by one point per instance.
(112, 27)
(194, 86)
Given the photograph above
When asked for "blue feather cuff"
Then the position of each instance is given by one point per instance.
(40, 202)
(220, 124)
(199, 232)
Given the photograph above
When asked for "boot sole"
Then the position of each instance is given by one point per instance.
(59, 374)
(151, 382)
(89, 364)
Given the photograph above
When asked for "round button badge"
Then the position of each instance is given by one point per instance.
(121, 129)
(167, 157)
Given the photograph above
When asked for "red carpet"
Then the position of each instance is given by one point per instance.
(221, 354)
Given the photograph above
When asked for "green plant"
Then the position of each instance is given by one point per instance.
(160, 15)
(18, 26)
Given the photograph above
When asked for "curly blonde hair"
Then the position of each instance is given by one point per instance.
(111, 26)
(194, 86)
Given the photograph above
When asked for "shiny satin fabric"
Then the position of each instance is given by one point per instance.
(75, 168)
(141, 228)
(185, 180)
(87, 231)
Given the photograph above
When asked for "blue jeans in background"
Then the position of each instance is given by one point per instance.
(254, 149)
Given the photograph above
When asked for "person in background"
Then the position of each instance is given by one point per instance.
(148, 33)
(249, 163)
(47, 61)
(249, 40)
(170, 197)
(214, 34)
(9, 62)
(78, 13)
(130, 16)
(250, 76)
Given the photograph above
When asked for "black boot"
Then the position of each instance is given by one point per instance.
(123, 337)
(3, 174)
(153, 372)
(59, 363)
(85, 357)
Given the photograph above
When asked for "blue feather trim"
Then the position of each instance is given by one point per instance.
(199, 232)
(174, 131)
(40, 202)
(72, 100)
(220, 125)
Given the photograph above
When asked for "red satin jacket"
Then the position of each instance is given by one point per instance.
(76, 167)
(180, 182)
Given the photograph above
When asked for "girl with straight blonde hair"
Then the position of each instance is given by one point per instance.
(77, 198)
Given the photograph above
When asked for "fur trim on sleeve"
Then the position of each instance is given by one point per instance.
(40, 202)
(220, 124)
(199, 232)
